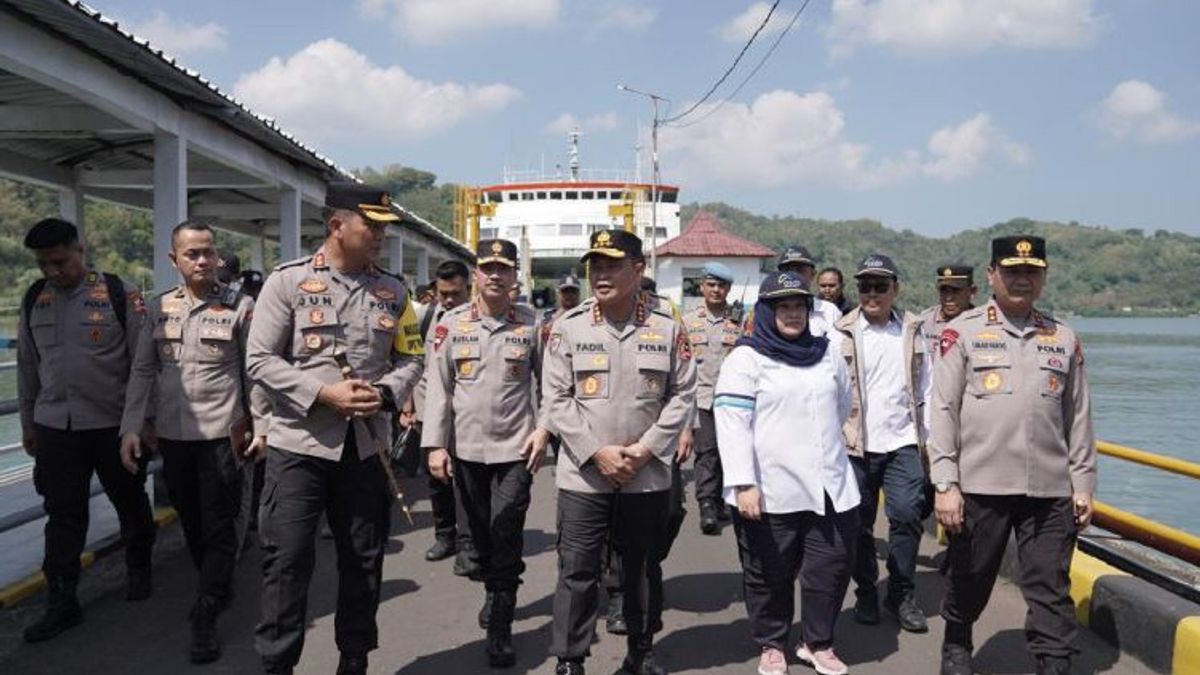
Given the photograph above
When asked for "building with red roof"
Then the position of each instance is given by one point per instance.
(681, 261)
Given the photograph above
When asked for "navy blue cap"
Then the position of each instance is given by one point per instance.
(795, 254)
(783, 285)
(877, 265)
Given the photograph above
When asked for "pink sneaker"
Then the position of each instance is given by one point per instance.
(772, 662)
(824, 661)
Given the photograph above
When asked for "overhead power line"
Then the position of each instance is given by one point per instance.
(728, 71)
(751, 74)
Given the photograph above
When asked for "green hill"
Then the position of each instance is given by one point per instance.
(1093, 270)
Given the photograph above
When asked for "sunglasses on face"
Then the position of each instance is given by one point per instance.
(879, 287)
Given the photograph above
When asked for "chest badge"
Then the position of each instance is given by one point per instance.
(96, 334)
(384, 293)
(466, 368)
(313, 342)
(387, 322)
(992, 381)
(313, 285)
(591, 385)
(316, 316)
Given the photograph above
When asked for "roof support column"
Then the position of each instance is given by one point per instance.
(289, 224)
(170, 201)
(70, 207)
(422, 266)
(256, 254)
(395, 251)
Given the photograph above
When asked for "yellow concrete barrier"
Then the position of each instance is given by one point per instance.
(1186, 660)
(1085, 570)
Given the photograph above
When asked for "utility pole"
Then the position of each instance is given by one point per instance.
(654, 176)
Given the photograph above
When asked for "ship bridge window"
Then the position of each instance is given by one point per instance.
(662, 232)
(512, 196)
(555, 195)
(527, 196)
(570, 229)
(588, 195)
(571, 194)
(495, 197)
(668, 197)
(541, 195)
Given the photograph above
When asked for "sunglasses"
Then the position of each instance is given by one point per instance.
(879, 287)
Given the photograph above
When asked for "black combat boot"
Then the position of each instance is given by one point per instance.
(443, 547)
(1053, 665)
(639, 660)
(466, 562)
(62, 611)
(708, 518)
(205, 647)
(352, 664)
(568, 667)
(956, 649)
(499, 633)
(137, 584)
(485, 612)
(614, 617)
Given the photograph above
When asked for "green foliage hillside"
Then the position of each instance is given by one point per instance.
(1093, 270)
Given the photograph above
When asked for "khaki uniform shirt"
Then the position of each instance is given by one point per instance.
(712, 338)
(191, 356)
(1011, 410)
(73, 358)
(482, 378)
(309, 313)
(607, 386)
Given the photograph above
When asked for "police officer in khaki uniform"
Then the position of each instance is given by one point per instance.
(712, 331)
(619, 387)
(191, 356)
(1012, 450)
(336, 345)
(956, 294)
(481, 405)
(77, 334)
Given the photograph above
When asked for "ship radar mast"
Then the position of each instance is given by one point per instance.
(573, 138)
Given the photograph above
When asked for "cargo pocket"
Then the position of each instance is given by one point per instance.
(217, 345)
(591, 375)
(516, 363)
(1053, 372)
(990, 379)
(652, 374)
(466, 361)
(316, 331)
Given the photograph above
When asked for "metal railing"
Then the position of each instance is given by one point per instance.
(1150, 533)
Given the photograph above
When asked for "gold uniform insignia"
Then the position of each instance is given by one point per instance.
(384, 293)
(313, 341)
(466, 368)
(1024, 248)
(464, 351)
(992, 381)
(600, 360)
(497, 248)
(1054, 383)
(95, 317)
(316, 316)
(313, 285)
(387, 322)
(591, 385)
(603, 239)
(947, 272)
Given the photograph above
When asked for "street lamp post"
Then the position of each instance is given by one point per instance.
(654, 177)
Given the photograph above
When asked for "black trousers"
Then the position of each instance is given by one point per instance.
(204, 482)
(902, 477)
(447, 510)
(675, 516)
(584, 521)
(1045, 532)
(354, 495)
(709, 475)
(496, 498)
(62, 475)
(820, 548)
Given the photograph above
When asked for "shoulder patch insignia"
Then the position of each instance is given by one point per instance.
(554, 342)
(948, 339)
(991, 315)
(1078, 352)
(138, 302)
(683, 346)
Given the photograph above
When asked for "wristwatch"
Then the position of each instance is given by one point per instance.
(944, 486)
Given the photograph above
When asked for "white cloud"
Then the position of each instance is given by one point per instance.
(742, 26)
(595, 124)
(784, 138)
(963, 26)
(328, 90)
(178, 38)
(624, 16)
(440, 21)
(960, 151)
(1135, 109)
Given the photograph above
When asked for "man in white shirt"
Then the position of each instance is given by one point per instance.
(885, 436)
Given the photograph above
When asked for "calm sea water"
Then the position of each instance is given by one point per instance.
(1145, 377)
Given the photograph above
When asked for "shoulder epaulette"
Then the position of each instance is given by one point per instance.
(584, 307)
(461, 309)
(397, 277)
(293, 263)
(167, 292)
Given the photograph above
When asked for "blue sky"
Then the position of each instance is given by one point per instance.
(933, 115)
